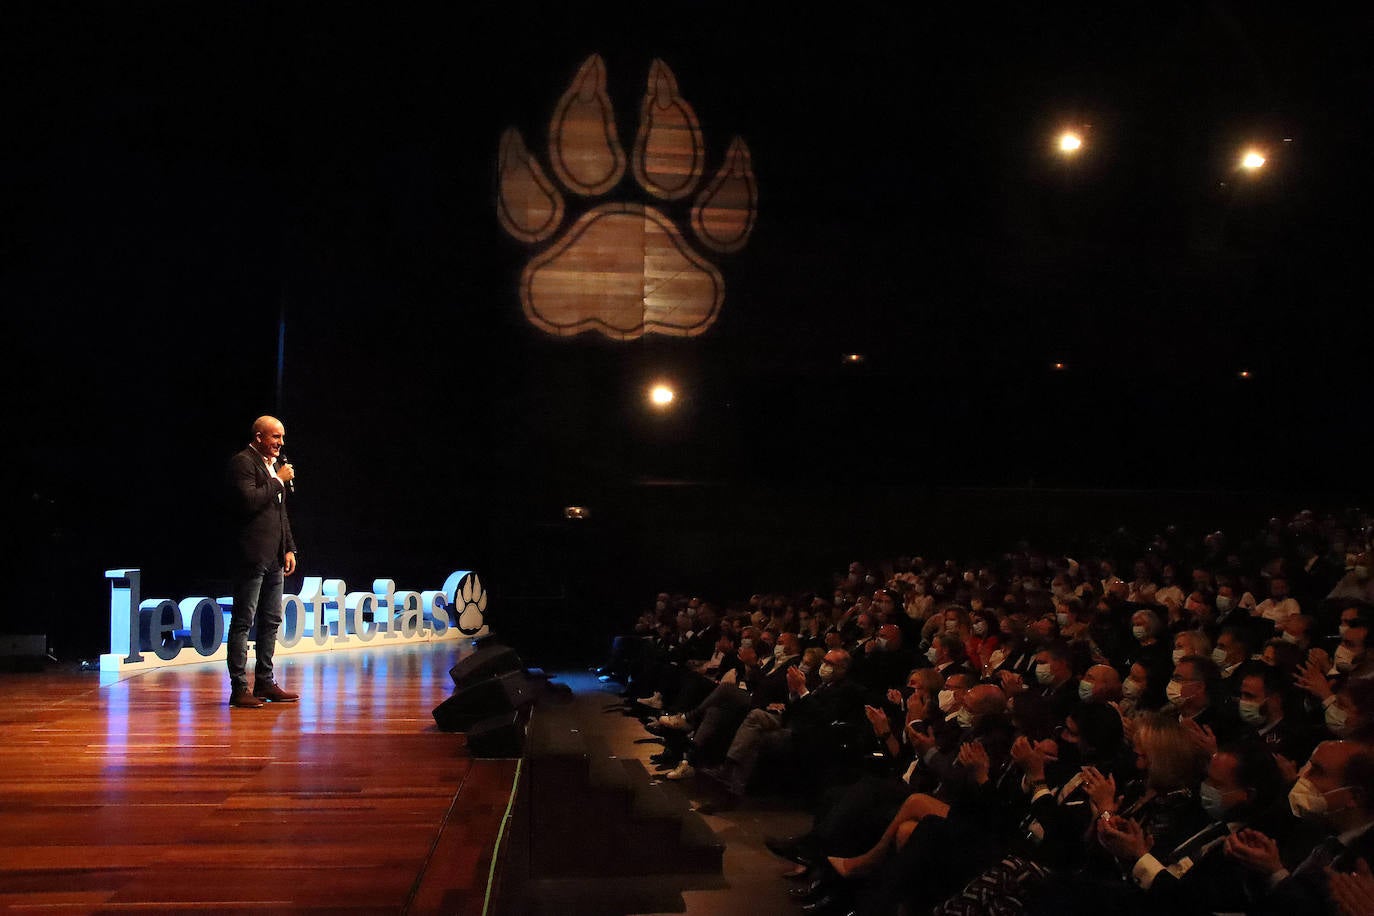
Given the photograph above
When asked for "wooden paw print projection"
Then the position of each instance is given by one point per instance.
(624, 269)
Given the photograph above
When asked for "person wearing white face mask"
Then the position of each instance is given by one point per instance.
(1146, 630)
(1262, 714)
(1190, 642)
(1335, 794)
(1232, 650)
(950, 699)
(1054, 680)
(1350, 712)
(1133, 689)
(807, 721)
(1067, 614)
(1100, 684)
(984, 639)
(1226, 602)
(1323, 681)
(1196, 876)
(1190, 692)
(1346, 710)
(1350, 654)
(946, 654)
(714, 721)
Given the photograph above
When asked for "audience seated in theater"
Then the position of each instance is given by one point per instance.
(929, 792)
(1242, 785)
(712, 724)
(1333, 801)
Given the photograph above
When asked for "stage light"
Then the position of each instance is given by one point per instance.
(1252, 160)
(852, 359)
(1070, 142)
(661, 395)
(1058, 367)
(1243, 374)
(576, 512)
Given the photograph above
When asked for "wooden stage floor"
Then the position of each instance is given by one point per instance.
(152, 795)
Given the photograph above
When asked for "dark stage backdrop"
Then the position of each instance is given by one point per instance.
(180, 180)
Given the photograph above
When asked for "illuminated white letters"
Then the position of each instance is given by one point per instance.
(324, 609)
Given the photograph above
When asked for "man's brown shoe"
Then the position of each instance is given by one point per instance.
(274, 694)
(244, 700)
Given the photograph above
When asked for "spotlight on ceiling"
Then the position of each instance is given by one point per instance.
(1252, 160)
(576, 512)
(661, 395)
(1059, 367)
(1070, 142)
(852, 359)
(1244, 374)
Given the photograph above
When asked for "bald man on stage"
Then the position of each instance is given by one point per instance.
(265, 555)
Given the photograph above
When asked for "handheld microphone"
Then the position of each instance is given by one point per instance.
(290, 484)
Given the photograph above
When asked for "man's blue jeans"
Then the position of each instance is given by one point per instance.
(257, 600)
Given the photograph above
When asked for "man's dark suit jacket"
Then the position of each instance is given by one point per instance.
(1305, 890)
(263, 530)
(842, 701)
(772, 687)
(881, 669)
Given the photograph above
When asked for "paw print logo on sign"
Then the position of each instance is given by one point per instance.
(624, 269)
(471, 602)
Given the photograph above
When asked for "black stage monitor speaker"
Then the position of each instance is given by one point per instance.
(469, 705)
(488, 661)
(497, 736)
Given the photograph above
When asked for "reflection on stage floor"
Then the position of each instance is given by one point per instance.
(152, 793)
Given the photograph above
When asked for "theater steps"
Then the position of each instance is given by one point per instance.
(592, 833)
(598, 814)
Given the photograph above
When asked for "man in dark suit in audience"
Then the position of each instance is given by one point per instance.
(803, 730)
(1334, 799)
(1195, 692)
(885, 663)
(1054, 679)
(1262, 708)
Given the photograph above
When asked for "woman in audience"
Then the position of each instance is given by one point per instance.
(1282, 655)
(1148, 632)
(1015, 812)
(1163, 802)
(1190, 642)
(1068, 820)
(1242, 785)
(983, 640)
(1015, 653)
